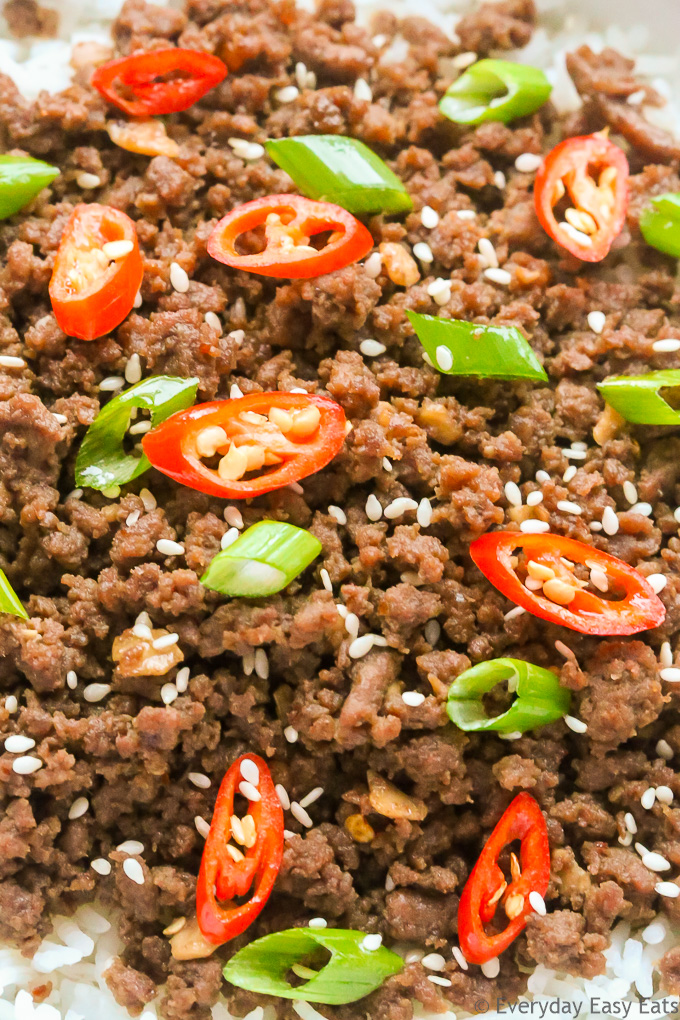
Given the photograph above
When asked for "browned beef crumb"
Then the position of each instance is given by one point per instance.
(27, 17)
(86, 565)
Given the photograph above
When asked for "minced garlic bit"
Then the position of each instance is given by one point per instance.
(137, 654)
(401, 267)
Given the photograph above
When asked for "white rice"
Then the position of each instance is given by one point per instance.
(79, 950)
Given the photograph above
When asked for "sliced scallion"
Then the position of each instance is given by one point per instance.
(495, 90)
(464, 348)
(637, 398)
(539, 698)
(341, 170)
(262, 561)
(9, 600)
(660, 223)
(21, 179)
(351, 973)
(102, 460)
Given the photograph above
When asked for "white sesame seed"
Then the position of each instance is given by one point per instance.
(666, 346)
(117, 249)
(663, 749)
(443, 358)
(500, 276)
(371, 942)
(7, 361)
(630, 492)
(138, 301)
(202, 827)
(25, 765)
(148, 500)
(635, 98)
(462, 60)
(596, 321)
(664, 795)
(312, 796)
(103, 867)
(488, 253)
(17, 743)
(201, 781)
(71, 679)
(169, 693)
(300, 815)
(287, 94)
(567, 507)
(389, 883)
(337, 514)
(429, 217)
(11, 703)
(440, 290)
(232, 516)
(60, 418)
(249, 790)
(282, 794)
(342, 610)
(424, 513)
(169, 548)
(657, 582)
(644, 509)
(182, 679)
(295, 487)
(422, 251)
(655, 862)
(610, 521)
(537, 902)
(88, 181)
(165, 641)
(131, 846)
(362, 90)
(179, 278)
(372, 348)
(532, 527)
(291, 734)
(527, 162)
(648, 797)
(466, 214)
(432, 632)
(250, 772)
(373, 508)
(437, 980)
(654, 933)
(514, 613)
(141, 630)
(317, 922)
(599, 579)
(513, 494)
(361, 646)
(352, 624)
(229, 537)
(630, 823)
(499, 179)
(413, 698)
(326, 579)
(669, 889)
(111, 383)
(577, 725)
(569, 473)
(132, 518)
(534, 498)
(78, 808)
(491, 968)
(133, 371)
(434, 961)
(595, 526)
(373, 265)
(261, 663)
(671, 674)
(399, 506)
(288, 834)
(96, 692)
(213, 321)
(459, 958)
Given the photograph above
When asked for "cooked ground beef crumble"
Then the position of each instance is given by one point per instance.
(87, 565)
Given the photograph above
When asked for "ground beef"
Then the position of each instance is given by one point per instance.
(276, 676)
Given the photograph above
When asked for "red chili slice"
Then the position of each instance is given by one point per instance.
(486, 887)
(632, 606)
(310, 432)
(92, 292)
(228, 870)
(140, 85)
(290, 221)
(588, 176)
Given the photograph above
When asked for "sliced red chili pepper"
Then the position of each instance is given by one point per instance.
(228, 870)
(160, 81)
(290, 221)
(585, 178)
(486, 887)
(628, 607)
(294, 433)
(93, 287)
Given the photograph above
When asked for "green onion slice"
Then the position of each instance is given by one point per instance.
(9, 600)
(464, 348)
(539, 697)
(660, 223)
(102, 460)
(637, 397)
(21, 179)
(351, 973)
(262, 561)
(495, 90)
(341, 170)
